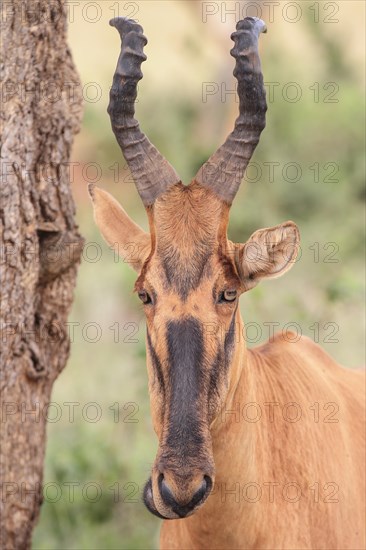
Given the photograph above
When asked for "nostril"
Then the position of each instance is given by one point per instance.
(208, 483)
(166, 492)
(202, 491)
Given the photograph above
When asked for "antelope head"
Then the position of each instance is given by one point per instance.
(190, 276)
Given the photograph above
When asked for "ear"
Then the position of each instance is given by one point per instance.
(269, 253)
(118, 230)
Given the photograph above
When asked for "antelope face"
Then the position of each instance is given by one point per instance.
(190, 276)
(190, 291)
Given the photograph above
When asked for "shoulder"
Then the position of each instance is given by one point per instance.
(292, 348)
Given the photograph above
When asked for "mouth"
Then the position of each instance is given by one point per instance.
(173, 510)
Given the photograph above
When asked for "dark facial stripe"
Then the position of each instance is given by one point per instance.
(155, 363)
(223, 359)
(216, 373)
(185, 350)
(228, 266)
(230, 339)
(184, 277)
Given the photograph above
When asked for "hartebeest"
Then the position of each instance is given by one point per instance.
(270, 439)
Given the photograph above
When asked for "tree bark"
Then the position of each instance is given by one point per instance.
(40, 245)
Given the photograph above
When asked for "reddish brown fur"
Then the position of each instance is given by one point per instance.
(186, 263)
(303, 452)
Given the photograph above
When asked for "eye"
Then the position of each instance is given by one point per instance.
(144, 297)
(228, 295)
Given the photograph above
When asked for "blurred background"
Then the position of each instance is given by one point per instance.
(309, 167)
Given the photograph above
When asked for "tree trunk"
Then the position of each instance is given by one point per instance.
(40, 245)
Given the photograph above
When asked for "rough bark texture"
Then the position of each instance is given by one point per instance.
(40, 244)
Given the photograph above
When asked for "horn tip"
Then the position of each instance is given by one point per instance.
(252, 22)
(118, 21)
(125, 25)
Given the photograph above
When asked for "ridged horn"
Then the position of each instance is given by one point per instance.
(225, 169)
(151, 172)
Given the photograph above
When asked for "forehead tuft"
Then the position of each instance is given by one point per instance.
(188, 224)
(187, 217)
